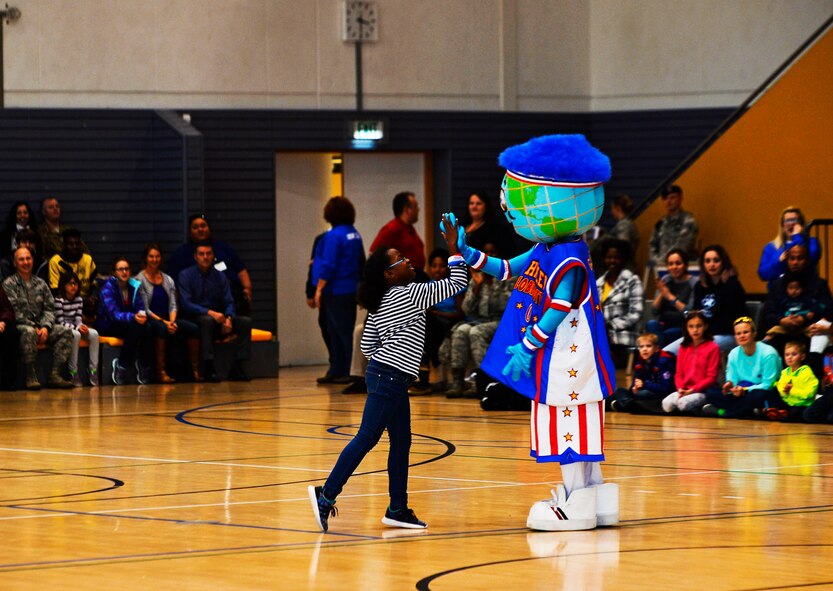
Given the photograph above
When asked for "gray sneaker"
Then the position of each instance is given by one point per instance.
(93, 376)
(119, 373)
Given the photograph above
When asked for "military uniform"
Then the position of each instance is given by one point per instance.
(34, 308)
(673, 231)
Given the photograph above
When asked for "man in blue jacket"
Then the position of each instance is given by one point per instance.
(205, 298)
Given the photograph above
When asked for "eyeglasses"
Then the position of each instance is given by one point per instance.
(402, 260)
(743, 320)
(120, 269)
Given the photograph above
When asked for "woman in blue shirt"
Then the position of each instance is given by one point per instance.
(791, 232)
(336, 271)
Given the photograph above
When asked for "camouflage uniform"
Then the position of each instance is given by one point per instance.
(34, 308)
(483, 308)
(673, 231)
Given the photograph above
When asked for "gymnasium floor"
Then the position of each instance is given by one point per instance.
(204, 487)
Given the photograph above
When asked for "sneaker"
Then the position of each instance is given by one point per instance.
(357, 387)
(561, 513)
(321, 507)
(616, 406)
(342, 380)
(75, 379)
(119, 373)
(93, 376)
(327, 379)
(238, 373)
(710, 410)
(775, 414)
(403, 518)
(143, 374)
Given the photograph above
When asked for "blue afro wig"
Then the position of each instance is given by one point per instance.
(567, 158)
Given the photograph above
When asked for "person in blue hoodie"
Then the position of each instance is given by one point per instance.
(653, 377)
(121, 313)
(336, 271)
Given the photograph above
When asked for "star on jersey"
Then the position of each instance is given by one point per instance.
(573, 373)
(523, 329)
(568, 437)
(574, 322)
(573, 348)
(519, 305)
(567, 412)
(573, 395)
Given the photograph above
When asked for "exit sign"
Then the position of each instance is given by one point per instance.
(367, 130)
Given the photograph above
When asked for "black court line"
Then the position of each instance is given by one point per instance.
(116, 483)
(424, 584)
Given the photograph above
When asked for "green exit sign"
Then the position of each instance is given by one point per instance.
(367, 130)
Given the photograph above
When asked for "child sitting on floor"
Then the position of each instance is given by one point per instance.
(698, 363)
(653, 377)
(796, 388)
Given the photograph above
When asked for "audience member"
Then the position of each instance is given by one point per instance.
(72, 258)
(28, 239)
(9, 337)
(622, 298)
(624, 229)
(158, 292)
(821, 410)
(206, 300)
(226, 261)
(720, 296)
(790, 233)
(34, 313)
(483, 304)
(678, 229)
(51, 230)
(309, 290)
(121, 313)
(69, 308)
(803, 311)
(796, 388)
(484, 227)
(400, 233)
(698, 364)
(751, 372)
(653, 377)
(439, 320)
(336, 271)
(20, 217)
(674, 297)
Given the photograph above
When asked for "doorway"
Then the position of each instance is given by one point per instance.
(304, 181)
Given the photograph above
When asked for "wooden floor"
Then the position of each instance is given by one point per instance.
(204, 487)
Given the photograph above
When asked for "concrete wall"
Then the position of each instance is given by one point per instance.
(526, 55)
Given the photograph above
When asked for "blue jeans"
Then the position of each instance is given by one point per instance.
(388, 407)
(666, 334)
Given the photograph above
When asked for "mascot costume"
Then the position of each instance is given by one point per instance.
(551, 345)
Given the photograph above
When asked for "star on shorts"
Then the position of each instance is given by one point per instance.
(573, 348)
(573, 395)
(573, 373)
(568, 437)
(567, 412)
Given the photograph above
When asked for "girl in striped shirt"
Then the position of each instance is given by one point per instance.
(68, 311)
(393, 340)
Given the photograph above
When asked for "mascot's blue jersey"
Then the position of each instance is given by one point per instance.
(574, 366)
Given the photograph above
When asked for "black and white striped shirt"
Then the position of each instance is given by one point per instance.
(395, 335)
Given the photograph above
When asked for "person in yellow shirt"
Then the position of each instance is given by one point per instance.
(797, 386)
(72, 258)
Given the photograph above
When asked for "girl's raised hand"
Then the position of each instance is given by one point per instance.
(450, 233)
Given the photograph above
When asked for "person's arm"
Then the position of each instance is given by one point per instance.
(246, 282)
(770, 368)
(54, 271)
(687, 238)
(664, 384)
(228, 299)
(187, 295)
(805, 386)
(711, 368)
(770, 266)
(47, 319)
(635, 297)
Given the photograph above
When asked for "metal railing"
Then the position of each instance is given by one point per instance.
(821, 230)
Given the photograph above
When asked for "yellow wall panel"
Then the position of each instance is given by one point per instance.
(779, 153)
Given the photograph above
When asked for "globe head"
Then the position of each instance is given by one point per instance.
(548, 211)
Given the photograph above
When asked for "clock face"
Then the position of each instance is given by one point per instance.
(361, 21)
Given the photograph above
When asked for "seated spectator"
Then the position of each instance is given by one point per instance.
(27, 239)
(790, 233)
(206, 300)
(821, 410)
(121, 313)
(674, 297)
(336, 271)
(624, 229)
(159, 295)
(439, 320)
(20, 217)
(720, 296)
(796, 388)
(678, 229)
(69, 312)
(34, 313)
(51, 230)
(225, 261)
(751, 373)
(484, 227)
(698, 364)
(622, 298)
(653, 377)
(798, 305)
(8, 344)
(72, 258)
(483, 304)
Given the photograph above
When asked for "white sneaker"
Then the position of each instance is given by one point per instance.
(578, 512)
(607, 504)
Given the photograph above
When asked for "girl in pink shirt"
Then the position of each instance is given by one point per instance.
(698, 363)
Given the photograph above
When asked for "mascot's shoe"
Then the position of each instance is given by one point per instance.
(607, 504)
(578, 512)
